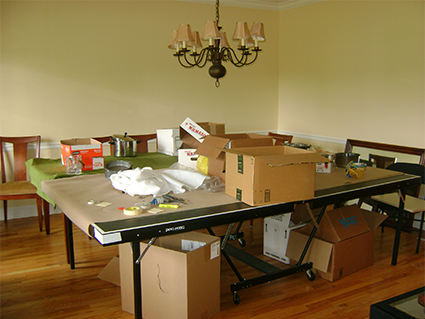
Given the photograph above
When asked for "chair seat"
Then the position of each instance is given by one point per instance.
(17, 188)
(412, 204)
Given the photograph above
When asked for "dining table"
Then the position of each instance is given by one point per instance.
(110, 227)
(42, 169)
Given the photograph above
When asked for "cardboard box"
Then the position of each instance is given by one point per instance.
(271, 174)
(343, 243)
(188, 157)
(91, 152)
(180, 277)
(168, 141)
(214, 147)
(192, 133)
(277, 230)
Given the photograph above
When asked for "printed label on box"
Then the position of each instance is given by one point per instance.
(194, 129)
(97, 162)
(215, 250)
(189, 245)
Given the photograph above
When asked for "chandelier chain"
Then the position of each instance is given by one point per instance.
(217, 12)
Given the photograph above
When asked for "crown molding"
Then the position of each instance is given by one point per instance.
(260, 4)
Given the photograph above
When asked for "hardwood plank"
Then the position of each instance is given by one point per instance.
(36, 280)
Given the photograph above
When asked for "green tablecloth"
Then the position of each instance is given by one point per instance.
(41, 169)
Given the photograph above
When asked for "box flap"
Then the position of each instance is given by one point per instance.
(213, 145)
(291, 159)
(281, 155)
(342, 223)
(373, 219)
(194, 129)
(319, 252)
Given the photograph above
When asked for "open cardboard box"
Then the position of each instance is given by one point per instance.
(271, 174)
(343, 243)
(91, 152)
(193, 133)
(214, 147)
(180, 277)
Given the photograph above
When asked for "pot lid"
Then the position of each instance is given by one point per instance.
(124, 137)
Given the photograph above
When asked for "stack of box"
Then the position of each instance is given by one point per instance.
(184, 141)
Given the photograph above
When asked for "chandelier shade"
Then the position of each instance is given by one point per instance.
(218, 49)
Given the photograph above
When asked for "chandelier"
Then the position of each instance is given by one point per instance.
(187, 43)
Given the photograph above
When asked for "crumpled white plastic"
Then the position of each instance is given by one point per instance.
(146, 181)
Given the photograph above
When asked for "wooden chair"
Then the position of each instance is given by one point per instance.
(380, 161)
(142, 144)
(412, 204)
(279, 139)
(350, 143)
(20, 187)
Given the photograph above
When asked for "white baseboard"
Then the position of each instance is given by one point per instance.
(25, 211)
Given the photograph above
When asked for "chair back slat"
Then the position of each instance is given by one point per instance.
(20, 154)
(280, 138)
(350, 143)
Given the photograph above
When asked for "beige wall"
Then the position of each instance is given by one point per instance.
(354, 69)
(328, 71)
(96, 68)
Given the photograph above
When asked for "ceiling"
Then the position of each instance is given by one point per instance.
(275, 5)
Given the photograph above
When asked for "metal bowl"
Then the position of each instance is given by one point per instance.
(116, 166)
(342, 159)
(297, 145)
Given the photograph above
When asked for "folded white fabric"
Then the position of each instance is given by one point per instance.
(147, 181)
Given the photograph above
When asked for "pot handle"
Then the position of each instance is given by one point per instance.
(112, 140)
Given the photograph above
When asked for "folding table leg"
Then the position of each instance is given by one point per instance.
(398, 227)
(137, 280)
(420, 232)
(69, 241)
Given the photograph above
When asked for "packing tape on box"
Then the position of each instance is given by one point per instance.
(130, 211)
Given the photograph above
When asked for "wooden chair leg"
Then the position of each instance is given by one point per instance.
(5, 210)
(40, 214)
(420, 232)
(46, 210)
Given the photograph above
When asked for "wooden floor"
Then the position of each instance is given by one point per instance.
(36, 281)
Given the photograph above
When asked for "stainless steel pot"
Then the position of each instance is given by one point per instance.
(124, 146)
(342, 159)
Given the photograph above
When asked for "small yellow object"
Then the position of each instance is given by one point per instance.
(355, 169)
(168, 206)
(202, 164)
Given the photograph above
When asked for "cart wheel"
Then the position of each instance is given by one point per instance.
(310, 275)
(236, 298)
(242, 242)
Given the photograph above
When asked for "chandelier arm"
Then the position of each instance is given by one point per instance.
(201, 61)
(231, 56)
(188, 65)
(197, 60)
